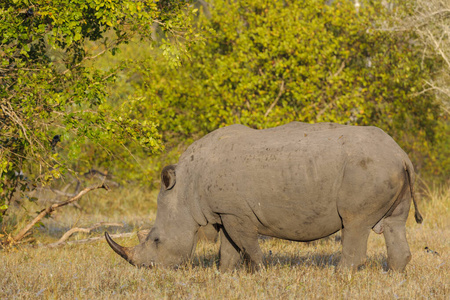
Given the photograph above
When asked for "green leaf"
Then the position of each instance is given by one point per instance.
(77, 37)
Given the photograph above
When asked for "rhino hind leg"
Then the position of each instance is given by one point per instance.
(395, 236)
(354, 246)
(243, 234)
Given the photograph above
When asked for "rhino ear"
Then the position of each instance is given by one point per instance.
(168, 177)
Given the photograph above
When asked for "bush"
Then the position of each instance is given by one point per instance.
(264, 64)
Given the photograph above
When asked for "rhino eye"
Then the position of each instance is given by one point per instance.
(156, 240)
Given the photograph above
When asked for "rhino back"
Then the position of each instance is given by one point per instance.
(286, 179)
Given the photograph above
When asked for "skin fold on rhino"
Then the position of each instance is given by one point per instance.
(298, 182)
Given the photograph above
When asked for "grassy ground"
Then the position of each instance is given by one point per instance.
(294, 270)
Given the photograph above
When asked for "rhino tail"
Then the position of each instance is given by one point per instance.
(410, 175)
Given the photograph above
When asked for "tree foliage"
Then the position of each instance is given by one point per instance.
(50, 92)
(430, 20)
(268, 63)
(64, 105)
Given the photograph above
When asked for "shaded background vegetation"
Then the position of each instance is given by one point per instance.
(266, 64)
(128, 85)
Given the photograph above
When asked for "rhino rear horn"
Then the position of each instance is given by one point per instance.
(122, 251)
(168, 177)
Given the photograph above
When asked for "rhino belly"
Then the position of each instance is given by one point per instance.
(298, 222)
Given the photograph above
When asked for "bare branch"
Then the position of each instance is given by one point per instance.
(430, 21)
(53, 207)
(94, 239)
(338, 71)
(276, 99)
(10, 113)
(438, 47)
(61, 193)
(66, 235)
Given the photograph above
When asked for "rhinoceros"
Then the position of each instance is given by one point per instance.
(298, 182)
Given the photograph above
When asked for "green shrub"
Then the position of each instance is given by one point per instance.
(266, 63)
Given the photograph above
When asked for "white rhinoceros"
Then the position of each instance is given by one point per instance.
(299, 182)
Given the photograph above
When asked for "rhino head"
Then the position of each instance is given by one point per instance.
(172, 239)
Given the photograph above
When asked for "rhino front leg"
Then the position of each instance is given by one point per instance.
(229, 253)
(243, 234)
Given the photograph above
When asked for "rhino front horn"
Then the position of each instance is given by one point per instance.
(122, 251)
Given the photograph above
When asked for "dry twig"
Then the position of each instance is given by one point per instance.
(94, 239)
(66, 235)
(53, 207)
(276, 99)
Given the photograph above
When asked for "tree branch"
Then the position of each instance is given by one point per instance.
(89, 240)
(53, 207)
(276, 99)
(438, 47)
(10, 113)
(66, 235)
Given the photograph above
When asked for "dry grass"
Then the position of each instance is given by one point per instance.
(294, 270)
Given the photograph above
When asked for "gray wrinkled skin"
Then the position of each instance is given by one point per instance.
(298, 182)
